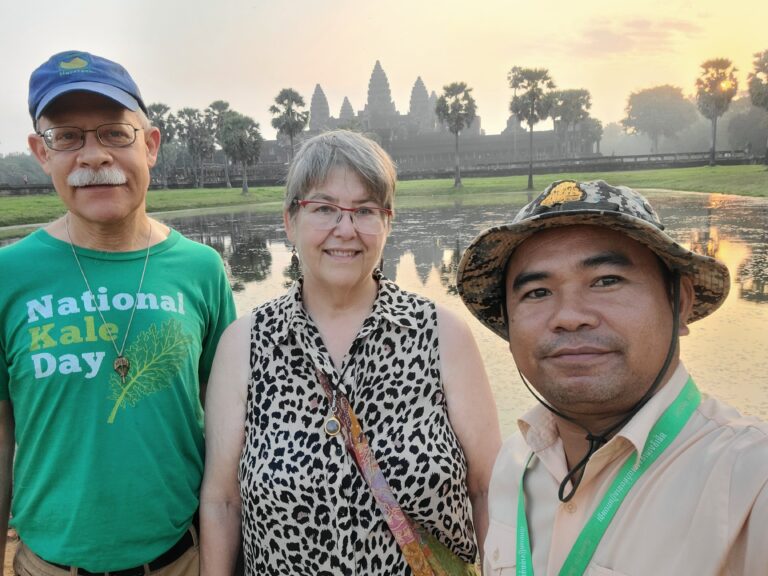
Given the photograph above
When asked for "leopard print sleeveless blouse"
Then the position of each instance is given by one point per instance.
(306, 508)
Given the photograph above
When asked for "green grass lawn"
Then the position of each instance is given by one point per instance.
(741, 180)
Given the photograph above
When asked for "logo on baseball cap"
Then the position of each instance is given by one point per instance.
(80, 71)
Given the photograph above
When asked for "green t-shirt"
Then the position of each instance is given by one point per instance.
(107, 475)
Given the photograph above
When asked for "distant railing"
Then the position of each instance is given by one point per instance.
(25, 189)
(586, 164)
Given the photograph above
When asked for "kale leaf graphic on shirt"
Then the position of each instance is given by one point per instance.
(156, 356)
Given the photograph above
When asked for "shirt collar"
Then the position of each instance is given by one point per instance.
(636, 430)
(389, 306)
(539, 429)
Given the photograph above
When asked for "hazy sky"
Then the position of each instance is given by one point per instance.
(191, 52)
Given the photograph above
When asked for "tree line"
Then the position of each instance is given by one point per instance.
(661, 111)
(196, 135)
(190, 137)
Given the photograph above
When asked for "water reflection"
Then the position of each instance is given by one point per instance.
(752, 274)
(292, 272)
(726, 352)
(449, 269)
(242, 238)
(730, 228)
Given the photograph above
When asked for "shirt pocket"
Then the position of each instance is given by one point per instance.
(500, 550)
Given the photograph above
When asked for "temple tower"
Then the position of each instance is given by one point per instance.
(419, 111)
(319, 113)
(347, 113)
(380, 108)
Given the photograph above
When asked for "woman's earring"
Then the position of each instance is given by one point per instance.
(294, 258)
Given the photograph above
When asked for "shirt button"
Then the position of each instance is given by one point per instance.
(570, 507)
(496, 555)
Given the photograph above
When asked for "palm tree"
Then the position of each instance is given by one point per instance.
(591, 131)
(532, 103)
(241, 141)
(457, 109)
(569, 108)
(715, 89)
(758, 85)
(217, 110)
(196, 131)
(288, 119)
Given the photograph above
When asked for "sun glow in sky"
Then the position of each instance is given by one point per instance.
(192, 52)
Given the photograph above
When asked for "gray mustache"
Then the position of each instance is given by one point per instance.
(110, 176)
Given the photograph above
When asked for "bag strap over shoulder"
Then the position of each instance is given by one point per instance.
(424, 553)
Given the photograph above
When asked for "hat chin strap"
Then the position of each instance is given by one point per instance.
(596, 441)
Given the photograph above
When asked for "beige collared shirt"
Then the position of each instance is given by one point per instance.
(701, 509)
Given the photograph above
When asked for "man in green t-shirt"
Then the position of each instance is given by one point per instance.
(108, 324)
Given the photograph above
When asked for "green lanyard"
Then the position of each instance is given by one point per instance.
(662, 435)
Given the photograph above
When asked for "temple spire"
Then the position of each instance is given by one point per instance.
(346, 112)
(319, 113)
(379, 95)
(420, 111)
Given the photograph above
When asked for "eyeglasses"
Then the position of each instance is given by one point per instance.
(325, 216)
(68, 138)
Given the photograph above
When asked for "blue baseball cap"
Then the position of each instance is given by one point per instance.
(80, 71)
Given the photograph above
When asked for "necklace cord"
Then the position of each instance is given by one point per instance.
(93, 296)
(596, 441)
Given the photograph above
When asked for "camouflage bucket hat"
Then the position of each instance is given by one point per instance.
(481, 274)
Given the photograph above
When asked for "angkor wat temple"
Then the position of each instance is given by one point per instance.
(418, 142)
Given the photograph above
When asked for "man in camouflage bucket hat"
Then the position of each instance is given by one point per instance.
(592, 295)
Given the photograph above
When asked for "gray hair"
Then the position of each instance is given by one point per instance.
(144, 121)
(340, 149)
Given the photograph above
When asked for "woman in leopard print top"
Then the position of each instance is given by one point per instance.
(410, 369)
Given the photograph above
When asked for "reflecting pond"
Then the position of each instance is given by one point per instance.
(727, 353)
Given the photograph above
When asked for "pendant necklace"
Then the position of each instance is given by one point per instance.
(332, 425)
(121, 364)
